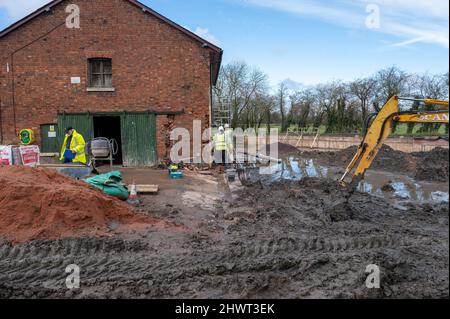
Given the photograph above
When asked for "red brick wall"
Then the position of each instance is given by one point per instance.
(155, 66)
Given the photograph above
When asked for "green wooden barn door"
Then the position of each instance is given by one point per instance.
(139, 139)
(82, 123)
(49, 138)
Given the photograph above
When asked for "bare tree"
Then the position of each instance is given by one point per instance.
(433, 86)
(340, 106)
(390, 82)
(259, 109)
(331, 98)
(282, 99)
(364, 90)
(302, 106)
(267, 107)
(239, 84)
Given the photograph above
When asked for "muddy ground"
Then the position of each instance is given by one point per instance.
(287, 239)
(423, 166)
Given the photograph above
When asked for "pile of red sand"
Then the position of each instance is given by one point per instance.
(43, 204)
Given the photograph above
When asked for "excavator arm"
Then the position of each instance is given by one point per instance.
(378, 130)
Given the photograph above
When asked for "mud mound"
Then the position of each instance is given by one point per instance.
(387, 159)
(426, 166)
(434, 165)
(283, 149)
(322, 199)
(43, 204)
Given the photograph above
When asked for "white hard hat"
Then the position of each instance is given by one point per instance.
(221, 128)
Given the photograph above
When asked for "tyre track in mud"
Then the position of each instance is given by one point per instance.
(38, 266)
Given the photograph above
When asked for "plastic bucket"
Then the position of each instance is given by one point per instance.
(176, 175)
(231, 173)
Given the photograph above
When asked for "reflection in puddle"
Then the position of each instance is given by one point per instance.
(324, 170)
(294, 169)
(407, 189)
(311, 169)
(419, 193)
(295, 166)
(403, 187)
(401, 191)
(365, 187)
(440, 197)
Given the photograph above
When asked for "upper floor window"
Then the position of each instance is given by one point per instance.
(100, 73)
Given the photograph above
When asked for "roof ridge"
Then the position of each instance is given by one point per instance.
(145, 9)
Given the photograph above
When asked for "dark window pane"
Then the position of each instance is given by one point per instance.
(100, 73)
(95, 66)
(107, 67)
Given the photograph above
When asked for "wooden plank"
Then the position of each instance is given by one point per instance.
(48, 154)
(147, 188)
(61, 166)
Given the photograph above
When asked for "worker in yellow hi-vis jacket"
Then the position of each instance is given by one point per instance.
(73, 147)
(229, 140)
(220, 147)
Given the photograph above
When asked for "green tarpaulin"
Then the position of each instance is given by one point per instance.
(110, 183)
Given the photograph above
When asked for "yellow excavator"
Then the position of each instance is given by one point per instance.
(379, 126)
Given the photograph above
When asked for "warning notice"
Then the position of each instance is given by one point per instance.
(29, 155)
(6, 155)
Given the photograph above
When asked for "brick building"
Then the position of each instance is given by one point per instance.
(126, 73)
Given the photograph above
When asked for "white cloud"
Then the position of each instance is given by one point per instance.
(205, 34)
(424, 8)
(407, 42)
(18, 9)
(416, 32)
(329, 12)
(415, 21)
(294, 85)
(412, 21)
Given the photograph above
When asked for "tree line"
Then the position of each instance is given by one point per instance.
(342, 107)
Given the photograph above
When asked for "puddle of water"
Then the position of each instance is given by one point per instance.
(441, 197)
(295, 169)
(404, 188)
(365, 187)
(401, 191)
(419, 193)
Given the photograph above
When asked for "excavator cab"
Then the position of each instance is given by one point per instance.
(379, 127)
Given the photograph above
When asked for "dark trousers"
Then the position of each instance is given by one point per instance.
(67, 160)
(224, 157)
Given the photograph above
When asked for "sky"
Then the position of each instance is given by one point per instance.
(308, 41)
